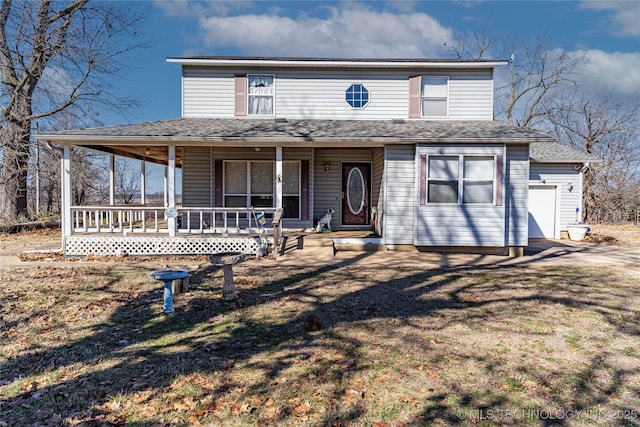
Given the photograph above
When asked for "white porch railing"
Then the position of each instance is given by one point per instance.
(152, 220)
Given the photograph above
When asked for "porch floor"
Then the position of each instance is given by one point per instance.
(89, 243)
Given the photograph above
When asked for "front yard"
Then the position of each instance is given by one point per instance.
(398, 347)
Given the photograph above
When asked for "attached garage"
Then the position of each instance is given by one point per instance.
(555, 188)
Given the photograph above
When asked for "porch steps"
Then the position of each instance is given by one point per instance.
(326, 244)
(359, 244)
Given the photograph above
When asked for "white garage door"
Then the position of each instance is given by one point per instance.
(542, 212)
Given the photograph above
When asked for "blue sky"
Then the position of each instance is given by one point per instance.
(606, 33)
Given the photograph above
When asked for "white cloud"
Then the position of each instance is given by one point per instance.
(615, 70)
(348, 30)
(625, 16)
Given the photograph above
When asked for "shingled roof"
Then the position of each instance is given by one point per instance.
(360, 132)
(553, 152)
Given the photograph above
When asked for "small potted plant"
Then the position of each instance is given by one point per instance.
(578, 231)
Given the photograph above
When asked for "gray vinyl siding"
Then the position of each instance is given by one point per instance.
(327, 187)
(459, 225)
(561, 175)
(197, 177)
(269, 153)
(318, 95)
(400, 195)
(199, 173)
(517, 195)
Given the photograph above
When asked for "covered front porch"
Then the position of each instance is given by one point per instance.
(182, 226)
(231, 171)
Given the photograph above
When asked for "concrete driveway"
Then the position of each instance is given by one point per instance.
(539, 252)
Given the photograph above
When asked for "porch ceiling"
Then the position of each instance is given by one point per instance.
(149, 140)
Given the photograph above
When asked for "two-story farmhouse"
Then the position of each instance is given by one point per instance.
(408, 148)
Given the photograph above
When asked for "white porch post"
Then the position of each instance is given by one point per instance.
(171, 188)
(143, 182)
(278, 177)
(112, 179)
(67, 219)
(166, 186)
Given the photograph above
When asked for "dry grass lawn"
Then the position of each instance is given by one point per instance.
(399, 347)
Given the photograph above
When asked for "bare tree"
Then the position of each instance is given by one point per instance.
(127, 181)
(599, 124)
(90, 173)
(54, 57)
(474, 44)
(537, 75)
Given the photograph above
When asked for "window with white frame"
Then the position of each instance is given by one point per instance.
(435, 96)
(357, 96)
(461, 179)
(260, 94)
(252, 183)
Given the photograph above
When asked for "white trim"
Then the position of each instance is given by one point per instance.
(171, 190)
(278, 183)
(423, 97)
(67, 219)
(368, 97)
(320, 63)
(112, 179)
(143, 182)
(558, 199)
(460, 180)
(249, 95)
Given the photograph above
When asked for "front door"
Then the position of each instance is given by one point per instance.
(356, 193)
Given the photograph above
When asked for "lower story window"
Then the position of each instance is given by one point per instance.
(461, 179)
(252, 183)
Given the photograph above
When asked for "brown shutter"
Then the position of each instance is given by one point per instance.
(499, 179)
(423, 179)
(241, 95)
(304, 182)
(414, 96)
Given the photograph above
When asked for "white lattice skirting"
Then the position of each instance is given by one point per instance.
(137, 245)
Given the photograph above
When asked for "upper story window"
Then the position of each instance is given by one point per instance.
(435, 96)
(260, 94)
(357, 96)
(461, 179)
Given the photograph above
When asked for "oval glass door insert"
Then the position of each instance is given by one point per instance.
(355, 191)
